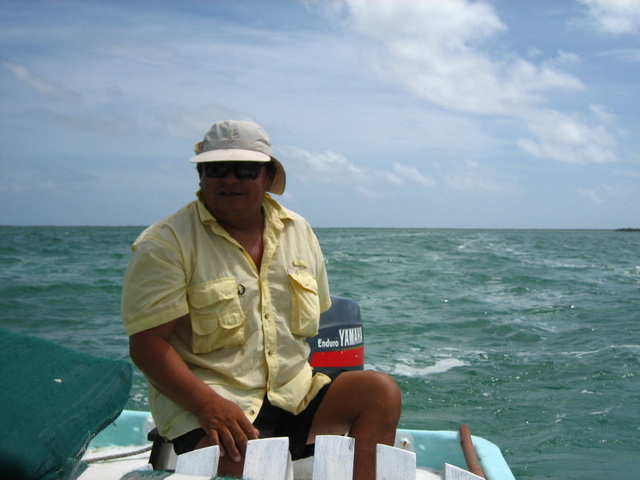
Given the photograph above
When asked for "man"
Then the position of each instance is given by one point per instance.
(217, 301)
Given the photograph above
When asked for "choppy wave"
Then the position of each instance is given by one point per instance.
(414, 371)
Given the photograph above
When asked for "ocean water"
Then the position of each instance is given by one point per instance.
(531, 337)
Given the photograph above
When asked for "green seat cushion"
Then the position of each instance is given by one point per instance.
(54, 401)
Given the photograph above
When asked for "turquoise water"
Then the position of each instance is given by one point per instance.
(531, 337)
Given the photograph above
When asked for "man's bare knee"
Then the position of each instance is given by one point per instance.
(377, 394)
(366, 395)
(385, 395)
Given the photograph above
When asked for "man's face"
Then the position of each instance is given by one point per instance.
(234, 198)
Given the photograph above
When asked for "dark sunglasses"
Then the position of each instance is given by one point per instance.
(242, 170)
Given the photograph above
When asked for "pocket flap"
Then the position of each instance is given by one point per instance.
(305, 280)
(206, 294)
(226, 320)
(204, 326)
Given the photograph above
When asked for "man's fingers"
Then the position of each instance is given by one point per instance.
(215, 440)
(234, 445)
(251, 432)
(229, 428)
(226, 444)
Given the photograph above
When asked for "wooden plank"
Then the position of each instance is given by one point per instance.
(395, 463)
(268, 459)
(454, 473)
(202, 462)
(333, 458)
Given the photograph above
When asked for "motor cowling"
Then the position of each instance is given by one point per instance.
(339, 345)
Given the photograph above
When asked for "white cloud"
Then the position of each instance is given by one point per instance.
(331, 167)
(591, 195)
(49, 89)
(143, 54)
(452, 22)
(472, 176)
(412, 175)
(439, 51)
(533, 52)
(191, 123)
(625, 55)
(601, 113)
(615, 17)
(435, 49)
(561, 137)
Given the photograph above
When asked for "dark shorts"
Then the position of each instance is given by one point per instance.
(271, 422)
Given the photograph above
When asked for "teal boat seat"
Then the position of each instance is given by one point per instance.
(54, 401)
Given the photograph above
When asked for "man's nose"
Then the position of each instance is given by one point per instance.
(230, 176)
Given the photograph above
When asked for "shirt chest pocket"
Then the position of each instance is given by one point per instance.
(217, 319)
(305, 304)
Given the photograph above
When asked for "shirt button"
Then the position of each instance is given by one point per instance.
(251, 412)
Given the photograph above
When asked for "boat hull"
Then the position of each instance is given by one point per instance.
(433, 448)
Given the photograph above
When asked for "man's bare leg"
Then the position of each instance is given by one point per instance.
(367, 406)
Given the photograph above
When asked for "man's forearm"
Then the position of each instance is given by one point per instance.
(224, 422)
(169, 374)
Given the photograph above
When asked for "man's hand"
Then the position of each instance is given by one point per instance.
(225, 423)
(228, 427)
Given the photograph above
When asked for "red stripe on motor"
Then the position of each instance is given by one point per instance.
(340, 358)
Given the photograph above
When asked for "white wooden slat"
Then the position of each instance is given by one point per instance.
(333, 458)
(180, 476)
(268, 459)
(395, 463)
(202, 462)
(452, 472)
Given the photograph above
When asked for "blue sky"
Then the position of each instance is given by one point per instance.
(430, 113)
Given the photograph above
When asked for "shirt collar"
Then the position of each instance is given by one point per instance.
(203, 213)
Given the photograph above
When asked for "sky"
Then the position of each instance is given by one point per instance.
(385, 113)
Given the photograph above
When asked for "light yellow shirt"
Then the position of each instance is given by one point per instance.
(245, 332)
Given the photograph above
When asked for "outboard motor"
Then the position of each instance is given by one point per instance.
(339, 344)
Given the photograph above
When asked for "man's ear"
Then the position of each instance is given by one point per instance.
(270, 181)
(271, 176)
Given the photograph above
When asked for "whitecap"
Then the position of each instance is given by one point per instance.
(603, 412)
(632, 348)
(441, 366)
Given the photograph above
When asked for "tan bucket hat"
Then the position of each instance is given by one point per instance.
(239, 141)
